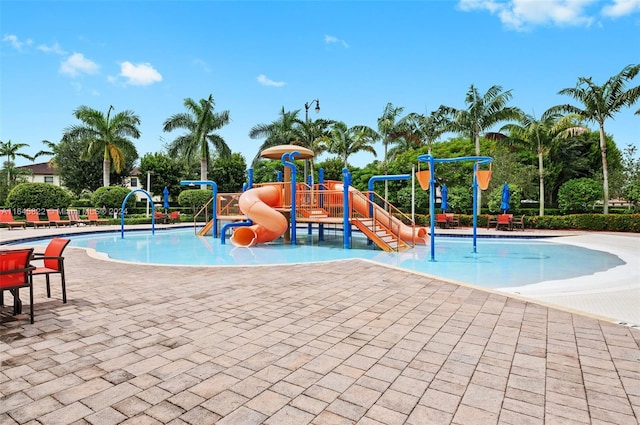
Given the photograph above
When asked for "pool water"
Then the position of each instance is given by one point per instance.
(497, 263)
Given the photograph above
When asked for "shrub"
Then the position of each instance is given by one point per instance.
(578, 195)
(460, 199)
(194, 199)
(111, 197)
(38, 195)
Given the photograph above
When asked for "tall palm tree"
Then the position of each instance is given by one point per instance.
(345, 141)
(426, 129)
(539, 134)
(11, 151)
(201, 121)
(482, 112)
(279, 132)
(390, 130)
(311, 134)
(106, 134)
(599, 103)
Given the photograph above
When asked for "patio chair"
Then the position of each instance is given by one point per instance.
(492, 221)
(504, 221)
(160, 217)
(441, 220)
(6, 218)
(175, 217)
(33, 219)
(92, 216)
(75, 219)
(54, 218)
(454, 220)
(518, 222)
(52, 263)
(15, 273)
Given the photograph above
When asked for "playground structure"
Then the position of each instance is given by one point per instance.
(267, 211)
(481, 179)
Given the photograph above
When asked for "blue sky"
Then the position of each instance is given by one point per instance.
(257, 57)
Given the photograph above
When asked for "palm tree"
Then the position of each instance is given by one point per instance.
(11, 151)
(482, 113)
(345, 141)
(106, 134)
(539, 134)
(600, 103)
(425, 130)
(200, 121)
(311, 134)
(279, 132)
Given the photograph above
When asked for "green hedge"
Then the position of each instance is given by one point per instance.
(596, 222)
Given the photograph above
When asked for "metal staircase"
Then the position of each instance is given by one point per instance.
(380, 235)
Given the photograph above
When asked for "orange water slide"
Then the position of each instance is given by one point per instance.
(409, 234)
(269, 224)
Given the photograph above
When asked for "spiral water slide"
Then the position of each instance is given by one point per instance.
(408, 234)
(257, 204)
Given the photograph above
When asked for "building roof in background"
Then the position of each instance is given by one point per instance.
(42, 168)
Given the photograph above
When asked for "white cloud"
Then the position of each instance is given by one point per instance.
(330, 39)
(621, 8)
(142, 74)
(77, 64)
(55, 48)
(15, 43)
(262, 79)
(523, 14)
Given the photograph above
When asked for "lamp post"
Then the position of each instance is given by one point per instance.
(308, 105)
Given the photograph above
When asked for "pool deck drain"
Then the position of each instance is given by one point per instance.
(353, 342)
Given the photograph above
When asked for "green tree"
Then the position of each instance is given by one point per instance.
(11, 151)
(332, 168)
(279, 132)
(345, 142)
(311, 134)
(165, 172)
(538, 134)
(106, 135)
(229, 173)
(597, 104)
(426, 129)
(579, 195)
(201, 122)
(482, 113)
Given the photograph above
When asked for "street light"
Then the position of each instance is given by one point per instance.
(307, 105)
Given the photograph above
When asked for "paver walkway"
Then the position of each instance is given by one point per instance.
(342, 343)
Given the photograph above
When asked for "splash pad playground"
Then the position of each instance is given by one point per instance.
(265, 212)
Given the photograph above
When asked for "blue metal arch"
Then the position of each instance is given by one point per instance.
(153, 208)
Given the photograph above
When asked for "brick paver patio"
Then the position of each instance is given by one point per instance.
(341, 343)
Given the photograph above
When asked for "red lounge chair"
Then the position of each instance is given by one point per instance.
(6, 218)
(15, 273)
(34, 219)
(75, 219)
(52, 263)
(54, 218)
(92, 216)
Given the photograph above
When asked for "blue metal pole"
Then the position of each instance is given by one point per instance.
(432, 207)
(250, 178)
(214, 194)
(475, 205)
(320, 201)
(287, 161)
(346, 234)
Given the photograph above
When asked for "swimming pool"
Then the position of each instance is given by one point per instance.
(498, 263)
